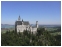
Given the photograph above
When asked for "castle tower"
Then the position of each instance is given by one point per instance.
(19, 18)
(37, 24)
(22, 21)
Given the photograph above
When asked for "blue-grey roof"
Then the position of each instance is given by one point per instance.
(20, 22)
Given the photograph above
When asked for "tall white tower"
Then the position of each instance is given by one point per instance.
(37, 24)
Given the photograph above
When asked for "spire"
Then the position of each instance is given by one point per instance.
(22, 20)
(19, 18)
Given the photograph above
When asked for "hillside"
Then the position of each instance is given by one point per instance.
(41, 38)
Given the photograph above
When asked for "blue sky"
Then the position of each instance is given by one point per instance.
(42, 11)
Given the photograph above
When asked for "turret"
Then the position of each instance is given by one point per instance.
(37, 24)
(22, 21)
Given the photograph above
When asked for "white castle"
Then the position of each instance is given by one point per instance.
(20, 26)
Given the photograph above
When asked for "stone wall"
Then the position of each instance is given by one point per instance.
(21, 28)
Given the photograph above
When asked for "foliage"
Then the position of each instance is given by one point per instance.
(27, 38)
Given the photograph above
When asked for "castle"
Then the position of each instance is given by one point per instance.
(21, 25)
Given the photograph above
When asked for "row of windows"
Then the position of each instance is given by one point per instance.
(22, 27)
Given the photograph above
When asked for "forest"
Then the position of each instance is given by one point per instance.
(27, 38)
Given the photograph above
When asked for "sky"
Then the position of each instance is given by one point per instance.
(45, 12)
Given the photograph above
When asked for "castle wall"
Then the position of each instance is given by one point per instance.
(34, 30)
(21, 28)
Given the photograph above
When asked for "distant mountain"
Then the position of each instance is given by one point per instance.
(47, 26)
(13, 26)
(7, 26)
